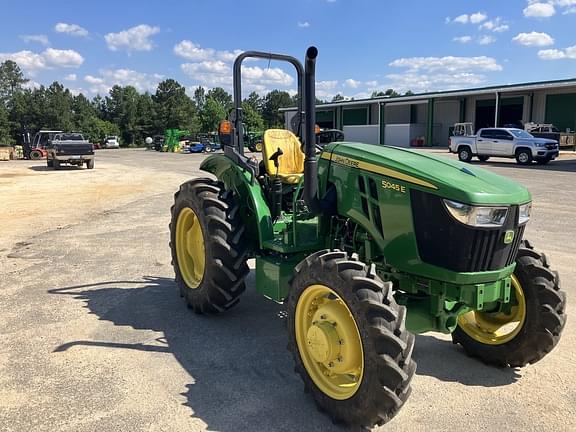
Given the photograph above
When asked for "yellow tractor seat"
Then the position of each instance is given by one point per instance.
(291, 163)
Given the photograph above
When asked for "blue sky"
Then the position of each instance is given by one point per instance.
(364, 45)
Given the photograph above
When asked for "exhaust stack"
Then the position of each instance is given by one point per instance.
(310, 163)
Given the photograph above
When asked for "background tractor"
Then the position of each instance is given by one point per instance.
(365, 245)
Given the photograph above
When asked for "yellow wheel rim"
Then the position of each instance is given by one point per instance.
(190, 250)
(496, 328)
(258, 147)
(329, 342)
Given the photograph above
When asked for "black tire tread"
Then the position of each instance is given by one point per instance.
(226, 252)
(387, 345)
(546, 318)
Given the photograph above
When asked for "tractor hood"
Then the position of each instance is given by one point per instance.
(434, 174)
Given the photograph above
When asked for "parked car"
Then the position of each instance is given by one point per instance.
(111, 142)
(504, 142)
(70, 148)
(326, 136)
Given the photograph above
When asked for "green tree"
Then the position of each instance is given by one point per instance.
(221, 96)
(212, 114)
(338, 98)
(273, 101)
(5, 135)
(11, 80)
(57, 107)
(200, 98)
(121, 108)
(173, 108)
(252, 118)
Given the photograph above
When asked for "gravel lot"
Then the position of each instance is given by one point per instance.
(95, 337)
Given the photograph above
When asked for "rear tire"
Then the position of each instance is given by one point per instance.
(225, 247)
(208, 148)
(90, 164)
(56, 164)
(49, 163)
(482, 158)
(465, 154)
(544, 321)
(524, 157)
(385, 346)
(36, 154)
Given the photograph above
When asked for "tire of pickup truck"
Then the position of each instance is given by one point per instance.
(56, 164)
(464, 153)
(524, 156)
(90, 164)
(483, 158)
(49, 163)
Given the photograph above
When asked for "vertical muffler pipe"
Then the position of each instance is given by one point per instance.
(310, 163)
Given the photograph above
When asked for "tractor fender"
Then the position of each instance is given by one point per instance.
(256, 213)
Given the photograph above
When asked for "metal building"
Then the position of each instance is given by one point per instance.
(427, 118)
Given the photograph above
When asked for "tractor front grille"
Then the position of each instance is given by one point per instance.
(444, 242)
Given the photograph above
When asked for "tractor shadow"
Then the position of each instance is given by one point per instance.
(448, 362)
(240, 371)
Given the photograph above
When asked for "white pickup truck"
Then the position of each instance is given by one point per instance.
(504, 142)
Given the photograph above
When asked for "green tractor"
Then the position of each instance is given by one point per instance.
(366, 245)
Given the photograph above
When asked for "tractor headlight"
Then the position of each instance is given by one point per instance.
(476, 216)
(524, 214)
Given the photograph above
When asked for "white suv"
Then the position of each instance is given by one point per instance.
(111, 142)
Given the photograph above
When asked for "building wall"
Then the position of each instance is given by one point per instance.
(369, 134)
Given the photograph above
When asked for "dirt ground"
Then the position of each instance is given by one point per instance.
(95, 337)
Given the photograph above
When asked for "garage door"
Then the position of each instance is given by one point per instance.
(561, 110)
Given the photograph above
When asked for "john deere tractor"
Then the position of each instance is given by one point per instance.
(366, 245)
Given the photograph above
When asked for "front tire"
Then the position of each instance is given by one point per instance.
(540, 317)
(524, 157)
(56, 164)
(49, 163)
(348, 338)
(465, 154)
(209, 251)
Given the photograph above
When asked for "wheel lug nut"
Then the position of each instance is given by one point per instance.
(331, 364)
(323, 317)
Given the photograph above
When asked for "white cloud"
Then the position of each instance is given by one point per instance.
(32, 62)
(486, 40)
(31, 84)
(557, 54)
(71, 77)
(478, 17)
(533, 39)
(352, 83)
(474, 18)
(539, 10)
(417, 82)
(133, 39)
(108, 78)
(303, 24)
(461, 19)
(496, 25)
(326, 89)
(63, 58)
(448, 63)
(440, 73)
(71, 29)
(191, 51)
(217, 73)
(462, 39)
(41, 39)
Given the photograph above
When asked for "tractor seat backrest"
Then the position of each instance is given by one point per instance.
(291, 163)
